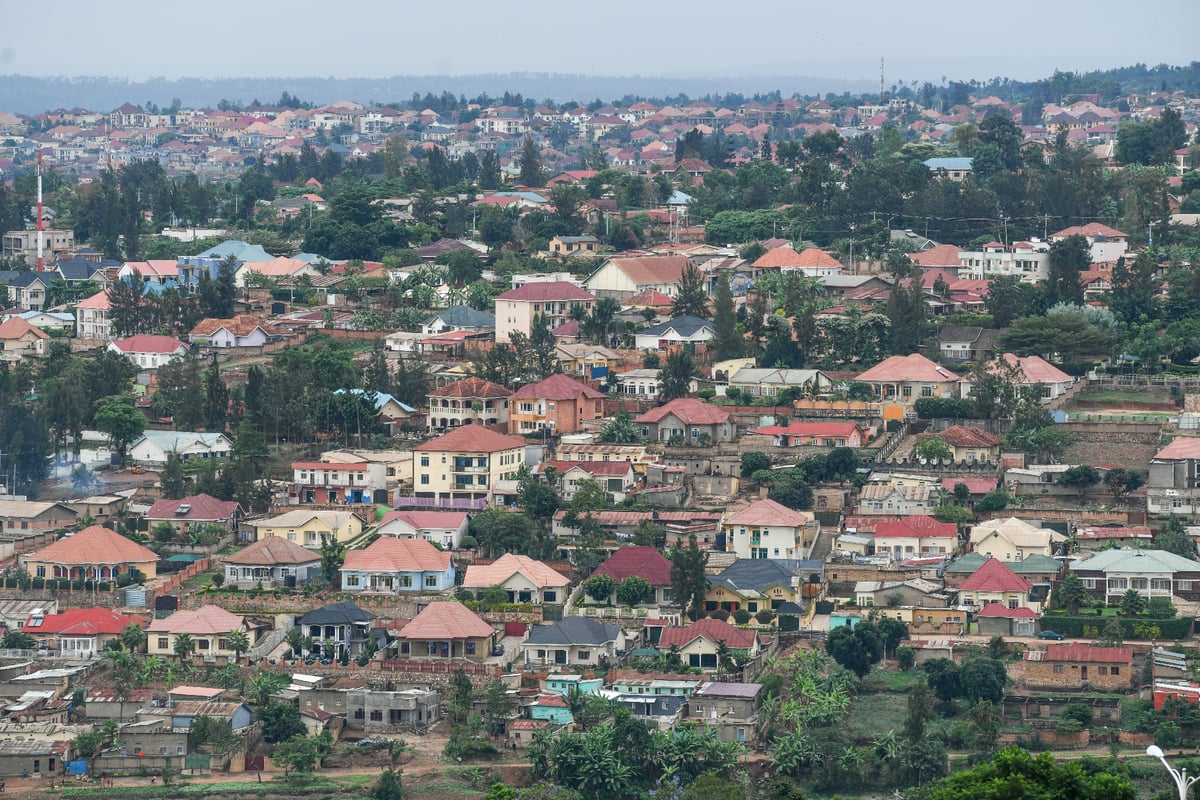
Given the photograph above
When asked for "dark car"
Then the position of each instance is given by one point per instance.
(498, 650)
(1050, 635)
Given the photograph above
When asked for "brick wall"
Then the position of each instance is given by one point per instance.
(1043, 674)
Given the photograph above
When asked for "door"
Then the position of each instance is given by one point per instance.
(1083, 673)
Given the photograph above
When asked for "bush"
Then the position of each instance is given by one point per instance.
(720, 614)
(906, 657)
(742, 616)
(706, 393)
(764, 617)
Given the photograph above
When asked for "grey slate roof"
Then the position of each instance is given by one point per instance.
(336, 614)
(573, 630)
(464, 317)
(754, 574)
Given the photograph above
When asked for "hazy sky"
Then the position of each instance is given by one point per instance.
(925, 39)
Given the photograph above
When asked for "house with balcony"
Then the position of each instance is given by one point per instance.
(93, 318)
(559, 404)
(340, 628)
(445, 629)
(444, 528)
(906, 379)
(526, 580)
(271, 561)
(687, 419)
(465, 464)
(1174, 483)
(309, 528)
(469, 401)
(915, 536)
(94, 553)
(332, 483)
(1030, 262)
(81, 632)
(755, 584)
(516, 309)
(1108, 574)
(768, 529)
(389, 565)
(996, 583)
(586, 361)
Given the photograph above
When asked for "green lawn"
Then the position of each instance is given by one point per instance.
(1147, 395)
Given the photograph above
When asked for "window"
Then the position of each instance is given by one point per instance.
(352, 579)
(424, 479)
(549, 596)
(163, 643)
(584, 655)
(470, 648)
(1058, 668)
(1115, 670)
(431, 581)
(405, 581)
(1102, 670)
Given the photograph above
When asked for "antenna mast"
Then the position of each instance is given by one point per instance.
(881, 80)
(40, 222)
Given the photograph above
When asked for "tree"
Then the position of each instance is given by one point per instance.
(1174, 538)
(239, 642)
(1070, 593)
(1066, 336)
(133, 638)
(1081, 476)
(620, 429)
(498, 706)
(933, 448)
(599, 587)
(942, 674)
(983, 679)
(727, 340)
(532, 172)
(463, 267)
(332, 555)
(1132, 603)
(389, 787)
(851, 649)
(634, 590)
(185, 645)
(920, 709)
(1069, 258)
(754, 461)
(1015, 773)
(794, 493)
(280, 721)
(121, 420)
(297, 753)
(676, 376)
(1122, 481)
(691, 300)
(689, 583)
(172, 479)
(17, 640)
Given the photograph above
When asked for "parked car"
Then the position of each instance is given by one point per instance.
(1050, 635)
(498, 650)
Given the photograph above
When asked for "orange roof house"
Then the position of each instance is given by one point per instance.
(208, 627)
(906, 379)
(559, 403)
(390, 564)
(689, 419)
(94, 553)
(445, 629)
(526, 580)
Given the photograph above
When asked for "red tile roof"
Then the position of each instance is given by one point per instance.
(206, 619)
(768, 512)
(202, 507)
(967, 436)
(1089, 653)
(273, 550)
(148, 343)
(714, 630)
(443, 619)
(471, 439)
(240, 325)
(80, 622)
(547, 290)
(651, 269)
(507, 565)
(1091, 230)
(1179, 449)
(689, 411)
(974, 485)
(427, 520)
(650, 298)
(15, 328)
(1004, 612)
(993, 576)
(93, 545)
(916, 525)
(390, 554)
(558, 387)
(471, 387)
(915, 367)
(645, 562)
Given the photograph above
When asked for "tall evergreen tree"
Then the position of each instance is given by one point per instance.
(691, 300)
(676, 375)
(216, 399)
(688, 581)
(1069, 258)
(532, 171)
(727, 339)
(906, 311)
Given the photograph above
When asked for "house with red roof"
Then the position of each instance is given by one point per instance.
(906, 379)
(271, 561)
(701, 643)
(445, 629)
(800, 433)
(208, 627)
(811, 262)
(616, 478)
(559, 404)
(1028, 372)
(442, 528)
(916, 536)
(687, 419)
(390, 565)
(194, 512)
(243, 330)
(516, 309)
(149, 351)
(1171, 487)
(996, 619)
(465, 464)
(19, 339)
(342, 482)
(79, 632)
(968, 443)
(994, 582)
(1080, 666)
(644, 562)
(92, 317)
(768, 529)
(1107, 243)
(94, 553)
(471, 400)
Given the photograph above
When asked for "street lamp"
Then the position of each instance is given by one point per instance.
(1180, 776)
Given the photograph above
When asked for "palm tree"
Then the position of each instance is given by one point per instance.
(238, 642)
(185, 645)
(295, 639)
(133, 638)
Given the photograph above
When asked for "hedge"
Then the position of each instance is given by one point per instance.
(1177, 628)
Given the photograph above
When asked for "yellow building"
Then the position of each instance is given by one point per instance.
(309, 528)
(95, 553)
(465, 464)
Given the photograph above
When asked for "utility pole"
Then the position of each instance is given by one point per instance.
(881, 80)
